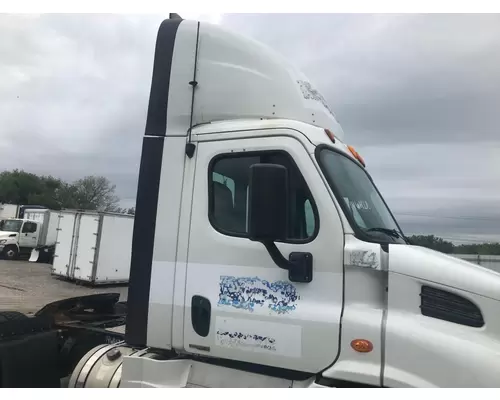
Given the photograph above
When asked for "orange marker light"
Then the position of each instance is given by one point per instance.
(362, 345)
(330, 135)
(356, 155)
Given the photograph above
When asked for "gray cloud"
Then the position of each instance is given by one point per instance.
(74, 94)
(418, 95)
(404, 78)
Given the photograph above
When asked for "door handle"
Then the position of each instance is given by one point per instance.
(201, 311)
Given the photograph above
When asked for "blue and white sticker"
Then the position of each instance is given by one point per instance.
(251, 293)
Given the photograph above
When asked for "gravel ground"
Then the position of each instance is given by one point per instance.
(27, 287)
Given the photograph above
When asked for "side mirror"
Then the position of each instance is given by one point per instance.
(268, 218)
(267, 202)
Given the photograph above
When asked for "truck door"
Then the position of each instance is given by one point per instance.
(64, 251)
(239, 305)
(85, 249)
(29, 235)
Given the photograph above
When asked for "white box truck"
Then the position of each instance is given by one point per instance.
(36, 231)
(93, 247)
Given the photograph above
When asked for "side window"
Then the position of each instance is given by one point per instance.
(29, 227)
(224, 181)
(228, 197)
(310, 219)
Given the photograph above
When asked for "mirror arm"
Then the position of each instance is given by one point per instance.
(276, 255)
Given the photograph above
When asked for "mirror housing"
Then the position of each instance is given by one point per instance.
(268, 203)
(268, 218)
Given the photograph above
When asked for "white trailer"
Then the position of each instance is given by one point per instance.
(48, 220)
(93, 247)
(9, 211)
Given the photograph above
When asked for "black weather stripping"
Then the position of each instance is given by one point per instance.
(148, 187)
(440, 304)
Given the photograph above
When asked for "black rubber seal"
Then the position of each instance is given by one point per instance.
(148, 187)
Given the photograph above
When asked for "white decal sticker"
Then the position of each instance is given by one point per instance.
(259, 336)
(311, 93)
(364, 259)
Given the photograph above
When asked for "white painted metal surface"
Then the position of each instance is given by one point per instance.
(239, 78)
(48, 220)
(94, 247)
(51, 232)
(114, 249)
(162, 314)
(436, 352)
(216, 262)
(63, 254)
(9, 211)
(86, 247)
(29, 239)
(141, 372)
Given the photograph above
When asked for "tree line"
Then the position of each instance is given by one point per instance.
(98, 193)
(444, 246)
(95, 193)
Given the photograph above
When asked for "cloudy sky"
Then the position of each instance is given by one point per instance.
(418, 95)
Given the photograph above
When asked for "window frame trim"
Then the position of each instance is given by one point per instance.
(254, 153)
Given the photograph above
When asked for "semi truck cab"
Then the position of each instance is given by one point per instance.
(264, 255)
(262, 244)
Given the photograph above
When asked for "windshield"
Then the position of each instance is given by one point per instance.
(361, 200)
(10, 225)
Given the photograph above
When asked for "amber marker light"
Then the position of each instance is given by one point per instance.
(356, 155)
(362, 345)
(330, 134)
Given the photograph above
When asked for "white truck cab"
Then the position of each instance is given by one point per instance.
(264, 255)
(37, 230)
(17, 235)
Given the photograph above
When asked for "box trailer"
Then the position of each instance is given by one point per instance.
(48, 220)
(9, 211)
(93, 247)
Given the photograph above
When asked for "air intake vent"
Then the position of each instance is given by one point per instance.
(436, 303)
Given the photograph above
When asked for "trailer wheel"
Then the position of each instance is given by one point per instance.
(7, 316)
(10, 252)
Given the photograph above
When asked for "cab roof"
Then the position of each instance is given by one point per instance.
(203, 73)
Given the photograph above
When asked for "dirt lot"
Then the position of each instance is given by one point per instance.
(26, 287)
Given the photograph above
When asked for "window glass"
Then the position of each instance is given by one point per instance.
(29, 227)
(229, 195)
(362, 200)
(309, 215)
(11, 225)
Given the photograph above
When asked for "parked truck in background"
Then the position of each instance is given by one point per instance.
(9, 211)
(234, 282)
(16, 210)
(36, 231)
(93, 247)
